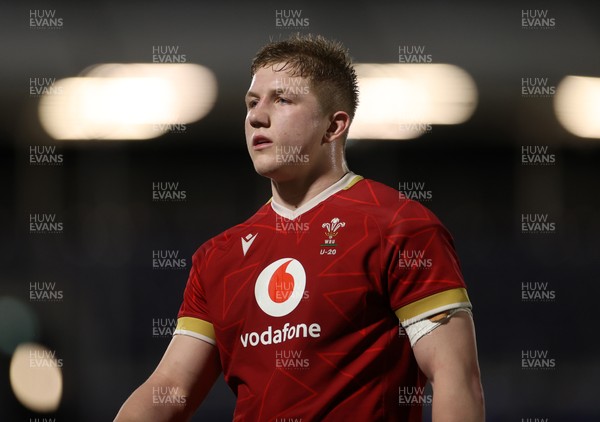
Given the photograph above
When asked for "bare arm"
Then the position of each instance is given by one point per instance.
(448, 356)
(176, 388)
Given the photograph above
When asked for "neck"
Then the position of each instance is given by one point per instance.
(296, 192)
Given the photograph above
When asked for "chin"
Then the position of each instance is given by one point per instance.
(265, 168)
(273, 171)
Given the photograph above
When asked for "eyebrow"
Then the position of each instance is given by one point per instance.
(271, 92)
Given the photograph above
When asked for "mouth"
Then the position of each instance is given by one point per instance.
(260, 142)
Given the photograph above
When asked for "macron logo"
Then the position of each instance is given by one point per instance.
(247, 242)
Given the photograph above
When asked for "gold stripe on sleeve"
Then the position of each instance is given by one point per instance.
(197, 326)
(437, 302)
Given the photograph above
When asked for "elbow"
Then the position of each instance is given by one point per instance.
(477, 396)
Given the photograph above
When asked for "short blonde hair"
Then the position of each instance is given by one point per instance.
(325, 63)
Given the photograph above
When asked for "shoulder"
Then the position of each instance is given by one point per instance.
(232, 236)
(386, 206)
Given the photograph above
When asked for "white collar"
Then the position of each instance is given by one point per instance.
(345, 182)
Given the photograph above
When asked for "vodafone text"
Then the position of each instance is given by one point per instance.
(270, 336)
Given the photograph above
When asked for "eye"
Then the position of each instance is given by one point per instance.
(252, 103)
(283, 100)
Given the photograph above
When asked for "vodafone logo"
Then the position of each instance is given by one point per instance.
(278, 290)
(280, 286)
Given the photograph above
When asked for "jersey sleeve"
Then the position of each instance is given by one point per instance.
(193, 318)
(424, 276)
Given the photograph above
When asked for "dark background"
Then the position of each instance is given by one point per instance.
(102, 329)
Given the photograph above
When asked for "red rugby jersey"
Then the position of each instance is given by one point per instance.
(304, 305)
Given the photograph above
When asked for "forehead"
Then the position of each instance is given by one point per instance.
(272, 77)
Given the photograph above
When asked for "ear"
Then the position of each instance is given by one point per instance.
(340, 122)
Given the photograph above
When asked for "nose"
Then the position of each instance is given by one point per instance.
(258, 116)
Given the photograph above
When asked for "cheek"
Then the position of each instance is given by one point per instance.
(247, 127)
(301, 128)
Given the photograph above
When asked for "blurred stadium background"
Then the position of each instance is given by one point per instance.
(84, 299)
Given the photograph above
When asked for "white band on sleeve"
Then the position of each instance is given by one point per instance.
(195, 335)
(418, 329)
